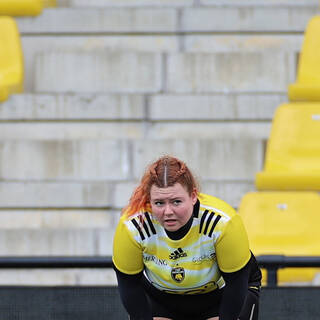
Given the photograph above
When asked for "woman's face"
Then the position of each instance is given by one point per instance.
(172, 206)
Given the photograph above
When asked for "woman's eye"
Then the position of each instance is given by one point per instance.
(176, 202)
(158, 203)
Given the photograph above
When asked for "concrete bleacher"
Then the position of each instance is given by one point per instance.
(110, 86)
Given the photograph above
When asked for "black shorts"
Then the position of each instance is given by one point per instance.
(197, 306)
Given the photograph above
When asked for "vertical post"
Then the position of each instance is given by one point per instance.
(272, 276)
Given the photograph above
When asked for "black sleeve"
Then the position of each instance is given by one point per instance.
(234, 293)
(133, 296)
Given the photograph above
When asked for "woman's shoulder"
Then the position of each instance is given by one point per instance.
(141, 224)
(139, 216)
(212, 203)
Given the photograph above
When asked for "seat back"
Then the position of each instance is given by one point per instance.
(293, 150)
(21, 7)
(307, 86)
(294, 143)
(284, 223)
(309, 62)
(11, 58)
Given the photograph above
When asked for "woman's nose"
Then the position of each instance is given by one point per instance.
(167, 209)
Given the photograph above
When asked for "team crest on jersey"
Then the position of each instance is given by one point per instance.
(177, 274)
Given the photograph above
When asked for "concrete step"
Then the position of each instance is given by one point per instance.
(209, 17)
(216, 160)
(192, 73)
(222, 43)
(57, 277)
(35, 46)
(100, 20)
(149, 108)
(235, 71)
(66, 132)
(215, 107)
(64, 160)
(88, 197)
(57, 232)
(98, 71)
(248, 17)
(56, 242)
(51, 107)
(257, 3)
(125, 3)
(180, 3)
(44, 194)
(51, 220)
(237, 42)
(116, 135)
(100, 160)
(208, 130)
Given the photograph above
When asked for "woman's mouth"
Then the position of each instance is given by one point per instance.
(170, 222)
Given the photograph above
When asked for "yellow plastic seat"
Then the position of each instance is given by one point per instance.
(21, 7)
(307, 86)
(284, 223)
(24, 7)
(292, 159)
(11, 59)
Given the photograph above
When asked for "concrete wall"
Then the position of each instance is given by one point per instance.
(110, 85)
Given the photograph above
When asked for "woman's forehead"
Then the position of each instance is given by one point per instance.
(176, 190)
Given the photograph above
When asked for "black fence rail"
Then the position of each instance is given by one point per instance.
(272, 263)
(54, 262)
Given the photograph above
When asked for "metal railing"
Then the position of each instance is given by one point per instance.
(272, 263)
(55, 262)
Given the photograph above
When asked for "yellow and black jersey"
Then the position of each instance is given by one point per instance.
(215, 241)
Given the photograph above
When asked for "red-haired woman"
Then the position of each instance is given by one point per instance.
(180, 254)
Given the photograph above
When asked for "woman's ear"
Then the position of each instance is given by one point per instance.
(194, 196)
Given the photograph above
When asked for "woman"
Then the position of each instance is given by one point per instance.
(180, 254)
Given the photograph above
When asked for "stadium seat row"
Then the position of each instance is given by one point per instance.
(283, 216)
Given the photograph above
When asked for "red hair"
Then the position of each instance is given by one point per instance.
(165, 172)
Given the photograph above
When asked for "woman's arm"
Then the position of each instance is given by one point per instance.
(128, 265)
(234, 293)
(233, 256)
(133, 296)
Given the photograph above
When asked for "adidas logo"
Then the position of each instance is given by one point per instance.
(176, 254)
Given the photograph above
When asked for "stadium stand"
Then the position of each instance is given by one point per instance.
(307, 86)
(11, 58)
(75, 142)
(293, 150)
(284, 223)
